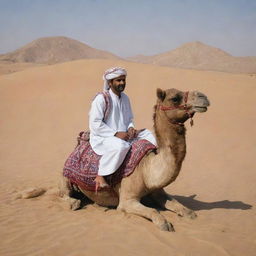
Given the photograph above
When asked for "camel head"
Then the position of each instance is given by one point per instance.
(179, 106)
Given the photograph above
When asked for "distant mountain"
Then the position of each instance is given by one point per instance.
(50, 50)
(196, 55)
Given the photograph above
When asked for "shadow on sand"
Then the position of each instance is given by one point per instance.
(188, 201)
(197, 205)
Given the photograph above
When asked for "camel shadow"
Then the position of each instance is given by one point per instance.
(188, 201)
(196, 205)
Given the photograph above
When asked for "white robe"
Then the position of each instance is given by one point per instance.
(102, 139)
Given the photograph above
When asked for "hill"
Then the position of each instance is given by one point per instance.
(196, 55)
(50, 50)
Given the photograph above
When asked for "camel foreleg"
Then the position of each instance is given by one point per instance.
(66, 194)
(135, 207)
(167, 202)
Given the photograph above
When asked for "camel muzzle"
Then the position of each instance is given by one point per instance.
(199, 102)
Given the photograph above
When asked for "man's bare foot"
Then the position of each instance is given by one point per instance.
(100, 182)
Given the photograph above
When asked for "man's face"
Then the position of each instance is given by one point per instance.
(118, 84)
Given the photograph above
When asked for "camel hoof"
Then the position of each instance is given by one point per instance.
(192, 214)
(75, 204)
(188, 213)
(167, 226)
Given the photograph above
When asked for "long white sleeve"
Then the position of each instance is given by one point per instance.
(130, 115)
(96, 124)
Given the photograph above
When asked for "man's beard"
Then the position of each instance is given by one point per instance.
(120, 88)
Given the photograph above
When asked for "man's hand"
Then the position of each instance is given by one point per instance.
(122, 135)
(132, 133)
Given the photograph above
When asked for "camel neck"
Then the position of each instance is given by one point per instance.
(166, 164)
(167, 133)
(164, 167)
(170, 137)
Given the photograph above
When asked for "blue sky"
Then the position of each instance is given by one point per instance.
(130, 27)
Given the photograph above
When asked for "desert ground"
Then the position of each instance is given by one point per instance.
(44, 108)
(7, 67)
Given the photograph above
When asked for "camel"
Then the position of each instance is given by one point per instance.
(156, 170)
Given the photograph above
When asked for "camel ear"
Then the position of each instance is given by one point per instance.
(160, 94)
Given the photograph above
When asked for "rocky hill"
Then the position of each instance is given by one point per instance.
(196, 55)
(50, 50)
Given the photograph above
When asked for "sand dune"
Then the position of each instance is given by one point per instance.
(197, 55)
(42, 110)
(50, 50)
(7, 67)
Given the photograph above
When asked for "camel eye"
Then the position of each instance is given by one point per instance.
(175, 99)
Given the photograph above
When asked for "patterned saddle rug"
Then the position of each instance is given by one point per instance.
(81, 167)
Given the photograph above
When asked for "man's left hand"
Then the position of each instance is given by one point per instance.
(132, 133)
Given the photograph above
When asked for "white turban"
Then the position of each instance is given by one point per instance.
(111, 74)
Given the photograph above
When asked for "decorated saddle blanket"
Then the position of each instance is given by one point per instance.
(81, 167)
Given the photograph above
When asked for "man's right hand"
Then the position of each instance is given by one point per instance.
(122, 135)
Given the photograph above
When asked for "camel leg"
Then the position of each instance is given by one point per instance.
(135, 207)
(66, 193)
(169, 203)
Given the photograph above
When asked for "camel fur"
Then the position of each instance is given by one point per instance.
(156, 170)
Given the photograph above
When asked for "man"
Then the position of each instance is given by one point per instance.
(112, 138)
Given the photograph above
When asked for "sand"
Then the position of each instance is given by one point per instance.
(43, 109)
(7, 67)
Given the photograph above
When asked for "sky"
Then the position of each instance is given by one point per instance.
(131, 27)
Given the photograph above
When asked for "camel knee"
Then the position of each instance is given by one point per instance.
(64, 187)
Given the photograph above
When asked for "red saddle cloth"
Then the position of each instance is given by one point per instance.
(81, 167)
